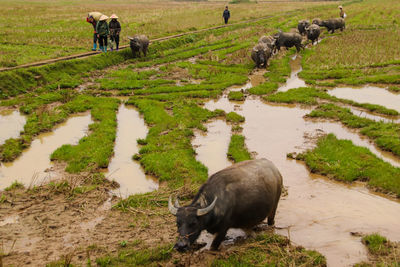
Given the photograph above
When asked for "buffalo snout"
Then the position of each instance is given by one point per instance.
(182, 245)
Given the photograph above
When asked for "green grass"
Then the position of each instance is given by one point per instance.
(236, 96)
(385, 135)
(14, 185)
(237, 150)
(234, 117)
(343, 161)
(381, 251)
(95, 150)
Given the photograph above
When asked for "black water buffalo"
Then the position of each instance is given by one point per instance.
(333, 24)
(268, 40)
(260, 54)
(240, 196)
(317, 21)
(139, 43)
(303, 24)
(313, 32)
(288, 39)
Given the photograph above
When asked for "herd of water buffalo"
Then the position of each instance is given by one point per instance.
(268, 45)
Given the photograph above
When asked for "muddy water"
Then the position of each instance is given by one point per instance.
(11, 124)
(318, 213)
(128, 173)
(294, 81)
(364, 114)
(34, 164)
(212, 146)
(369, 94)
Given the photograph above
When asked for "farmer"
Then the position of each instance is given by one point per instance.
(102, 32)
(115, 29)
(93, 18)
(342, 14)
(226, 15)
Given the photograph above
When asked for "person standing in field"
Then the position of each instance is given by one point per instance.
(93, 18)
(115, 29)
(342, 14)
(102, 32)
(226, 15)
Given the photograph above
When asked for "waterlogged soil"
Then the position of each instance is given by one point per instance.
(369, 94)
(317, 213)
(294, 81)
(128, 173)
(11, 124)
(211, 146)
(34, 166)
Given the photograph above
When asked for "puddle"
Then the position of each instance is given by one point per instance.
(212, 146)
(293, 81)
(127, 172)
(31, 167)
(364, 114)
(369, 94)
(318, 213)
(9, 220)
(11, 124)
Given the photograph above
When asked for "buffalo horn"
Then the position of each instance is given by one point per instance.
(201, 212)
(171, 207)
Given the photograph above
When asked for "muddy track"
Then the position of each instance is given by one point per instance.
(92, 53)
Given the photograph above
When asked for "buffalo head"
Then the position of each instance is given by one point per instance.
(189, 221)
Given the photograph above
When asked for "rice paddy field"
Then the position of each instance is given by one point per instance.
(92, 148)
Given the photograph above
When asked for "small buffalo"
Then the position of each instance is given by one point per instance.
(303, 24)
(334, 24)
(317, 21)
(313, 32)
(260, 54)
(139, 43)
(240, 196)
(288, 39)
(268, 40)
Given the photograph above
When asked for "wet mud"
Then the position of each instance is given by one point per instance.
(293, 81)
(317, 213)
(128, 173)
(369, 94)
(211, 147)
(34, 167)
(11, 124)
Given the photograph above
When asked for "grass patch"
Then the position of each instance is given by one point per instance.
(236, 96)
(385, 135)
(381, 251)
(237, 150)
(342, 160)
(14, 185)
(234, 117)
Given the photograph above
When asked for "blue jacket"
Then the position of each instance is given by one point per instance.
(226, 14)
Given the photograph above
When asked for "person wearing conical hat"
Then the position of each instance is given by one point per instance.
(342, 14)
(102, 32)
(115, 29)
(93, 18)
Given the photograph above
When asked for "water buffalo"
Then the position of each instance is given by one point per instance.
(288, 39)
(333, 24)
(313, 32)
(317, 21)
(303, 24)
(260, 54)
(139, 43)
(268, 40)
(240, 196)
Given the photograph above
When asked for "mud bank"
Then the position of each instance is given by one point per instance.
(369, 94)
(11, 124)
(128, 173)
(34, 166)
(318, 213)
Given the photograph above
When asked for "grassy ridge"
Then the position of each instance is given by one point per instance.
(381, 251)
(342, 160)
(237, 150)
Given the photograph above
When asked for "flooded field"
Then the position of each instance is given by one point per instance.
(369, 94)
(317, 213)
(11, 124)
(34, 165)
(294, 81)
(128, 173)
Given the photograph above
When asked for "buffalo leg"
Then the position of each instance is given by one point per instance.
(218, 239)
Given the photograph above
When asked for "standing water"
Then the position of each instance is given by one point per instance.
(11, 124)
(318, 213)
(33, 165)
(128, 173)
(294, 81)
